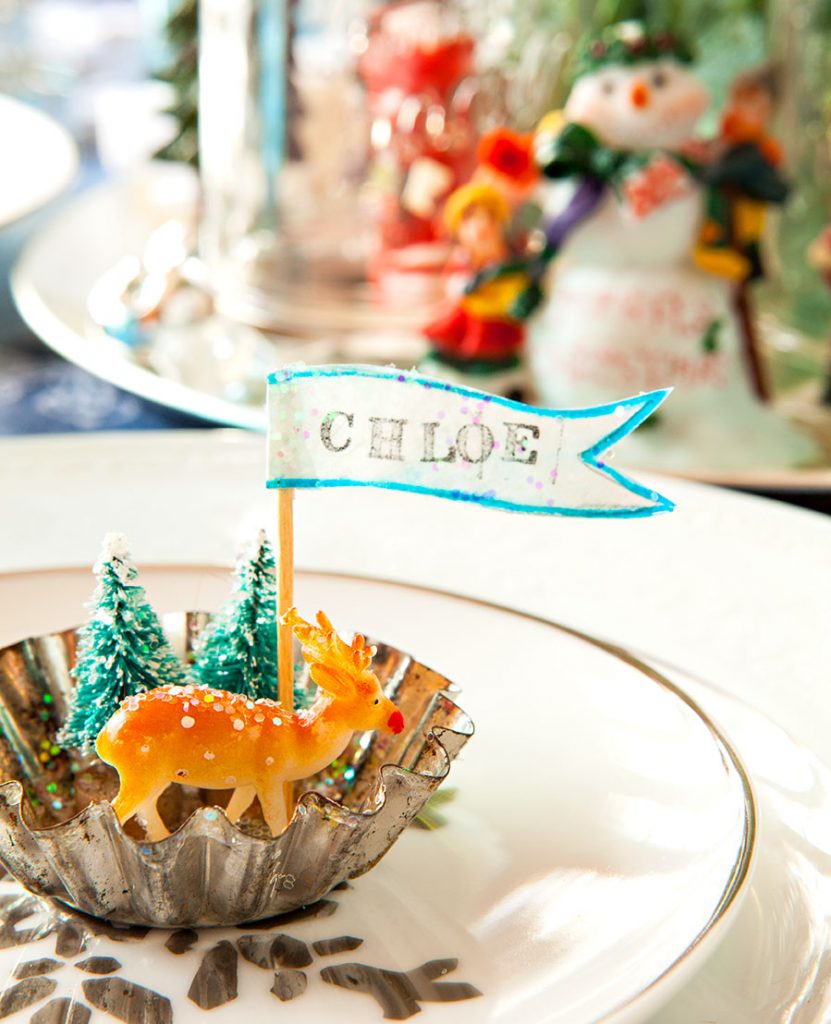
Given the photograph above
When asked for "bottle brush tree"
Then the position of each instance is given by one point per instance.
(238, 651)
(122, 650)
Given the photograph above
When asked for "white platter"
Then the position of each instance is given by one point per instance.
(595, 853)
(39, 159)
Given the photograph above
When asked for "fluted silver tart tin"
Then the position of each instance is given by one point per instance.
(60, 837)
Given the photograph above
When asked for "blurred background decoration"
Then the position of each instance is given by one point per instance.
(326, 135)
(330, 134)
(518, 67)
(796, 295)
(335, 225)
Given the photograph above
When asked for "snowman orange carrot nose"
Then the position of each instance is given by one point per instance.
(639, 95)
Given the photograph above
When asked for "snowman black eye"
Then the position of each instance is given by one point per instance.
(608, 87)
(659, 79)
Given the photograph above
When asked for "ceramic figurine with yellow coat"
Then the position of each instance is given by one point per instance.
(744, 177)
(478, 338)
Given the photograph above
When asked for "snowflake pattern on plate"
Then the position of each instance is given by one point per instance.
(46, 989)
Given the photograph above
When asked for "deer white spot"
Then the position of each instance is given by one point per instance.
(145, 749)
(239, 724)
(259, 718)
(277, 721)
(188, 722)
(209, 755)
(269, 761)
(249, 704)
(231, 780)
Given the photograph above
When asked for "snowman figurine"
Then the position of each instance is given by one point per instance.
(631, 300)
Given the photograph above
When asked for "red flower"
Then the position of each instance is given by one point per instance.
(508, 153)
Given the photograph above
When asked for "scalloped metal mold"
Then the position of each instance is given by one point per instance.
(60, 837)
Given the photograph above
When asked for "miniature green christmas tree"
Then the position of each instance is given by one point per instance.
(239, 649)
(122, 650)
(182, 73)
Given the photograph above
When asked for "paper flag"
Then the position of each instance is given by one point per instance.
(362, 426)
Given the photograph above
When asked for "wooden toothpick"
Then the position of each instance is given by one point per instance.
(285, 537)
(285, 600)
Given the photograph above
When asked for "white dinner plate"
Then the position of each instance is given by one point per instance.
(595, 853)
(208, 372)
(733, 588)
(39, 159)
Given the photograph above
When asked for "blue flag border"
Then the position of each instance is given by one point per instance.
(644, 405)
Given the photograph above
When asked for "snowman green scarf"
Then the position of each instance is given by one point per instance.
(576, 152)
(644, 181)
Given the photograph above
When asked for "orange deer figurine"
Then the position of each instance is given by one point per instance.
(219, 740)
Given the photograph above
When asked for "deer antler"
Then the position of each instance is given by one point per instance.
(322, 647)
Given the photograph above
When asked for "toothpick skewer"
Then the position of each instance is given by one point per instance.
(285, 601)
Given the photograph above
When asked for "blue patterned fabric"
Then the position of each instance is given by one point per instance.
(48, 395)
(40, 393)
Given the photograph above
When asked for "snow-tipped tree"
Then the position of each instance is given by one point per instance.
(122, 650)
(238, 651)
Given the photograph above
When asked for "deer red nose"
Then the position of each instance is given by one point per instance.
(396, 723)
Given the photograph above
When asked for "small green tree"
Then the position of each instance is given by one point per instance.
(122, 650)
(239, 649)
(182, 73)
